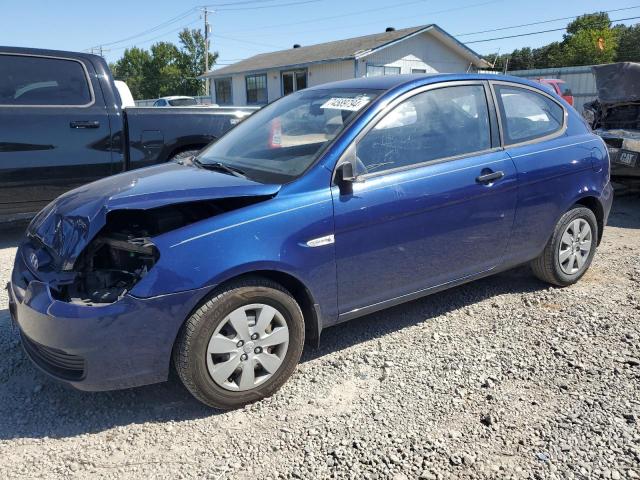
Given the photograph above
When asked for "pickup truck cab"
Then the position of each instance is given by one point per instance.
(62, 125)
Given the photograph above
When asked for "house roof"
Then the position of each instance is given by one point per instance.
(347, 49)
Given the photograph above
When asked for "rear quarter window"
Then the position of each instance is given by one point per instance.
(527, 115)
(32, 80)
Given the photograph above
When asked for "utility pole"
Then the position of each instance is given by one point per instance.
(207, 30)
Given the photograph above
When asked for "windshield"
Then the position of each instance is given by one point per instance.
(183, 102)
(278, 143)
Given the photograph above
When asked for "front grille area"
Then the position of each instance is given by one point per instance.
(53, 361)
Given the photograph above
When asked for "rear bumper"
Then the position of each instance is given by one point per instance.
(120, 345)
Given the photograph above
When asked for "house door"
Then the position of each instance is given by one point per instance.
(293, 81)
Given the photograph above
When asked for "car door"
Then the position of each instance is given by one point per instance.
(434, 202)
(54, 135)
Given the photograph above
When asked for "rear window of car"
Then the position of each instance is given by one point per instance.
(32, 80)
(527, 115)
(183, 102)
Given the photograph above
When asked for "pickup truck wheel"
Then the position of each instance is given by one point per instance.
(183, 155)
(570, 250)
(241, 345)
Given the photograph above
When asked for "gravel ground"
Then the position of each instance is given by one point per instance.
(501, 378)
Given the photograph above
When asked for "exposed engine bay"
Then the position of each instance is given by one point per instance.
(615, 116)
(123, 251)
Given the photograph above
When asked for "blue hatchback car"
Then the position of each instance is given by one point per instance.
(326, 205)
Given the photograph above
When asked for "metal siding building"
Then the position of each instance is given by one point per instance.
(423, 49)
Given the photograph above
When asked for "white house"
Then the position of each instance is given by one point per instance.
(263, 78)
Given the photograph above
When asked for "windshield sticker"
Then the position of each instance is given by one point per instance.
(352, 104)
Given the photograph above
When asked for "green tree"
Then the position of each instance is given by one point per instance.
(192, 61)
(130, 69)
(521, 59)
(551, 55)
(628, 43)
(590, 40)
(165, 69)
(162, 75)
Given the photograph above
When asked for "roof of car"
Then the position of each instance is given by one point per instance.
(174, 97)
(387, 82)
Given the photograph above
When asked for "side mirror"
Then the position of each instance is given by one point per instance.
(344, 178)
(345, 173)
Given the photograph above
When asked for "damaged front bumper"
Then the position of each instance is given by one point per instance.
(111, 346)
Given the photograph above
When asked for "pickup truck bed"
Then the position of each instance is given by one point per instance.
(62, 125)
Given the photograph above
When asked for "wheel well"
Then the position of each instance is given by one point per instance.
(300, 293)
(184, 148)
(593, 204)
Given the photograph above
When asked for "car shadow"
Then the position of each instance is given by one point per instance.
(35, 406)
(626, 211)
(384, 322)
(32, 405)
(10, 234)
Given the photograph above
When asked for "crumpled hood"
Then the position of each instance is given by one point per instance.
(71, 221)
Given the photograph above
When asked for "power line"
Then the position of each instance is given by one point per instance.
(216, 5)
(378, 22)
(268, 6)
(332, 17)
(166, 23)
(542, 22)
(141, 42)
(540, 31)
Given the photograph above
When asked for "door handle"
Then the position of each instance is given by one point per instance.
(84, 124)
(490, 177)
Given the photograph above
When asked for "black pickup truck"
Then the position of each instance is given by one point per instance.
(62, 125)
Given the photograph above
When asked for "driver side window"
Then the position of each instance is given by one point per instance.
(432, 125)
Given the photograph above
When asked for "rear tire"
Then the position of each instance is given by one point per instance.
(570, 250)
(212, 355)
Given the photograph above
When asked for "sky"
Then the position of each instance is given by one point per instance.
(242, 28)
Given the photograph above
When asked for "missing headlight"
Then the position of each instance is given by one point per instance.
(112, 264)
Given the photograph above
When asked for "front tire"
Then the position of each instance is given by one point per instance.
(241, 345)
(570, 250)
(183, 155)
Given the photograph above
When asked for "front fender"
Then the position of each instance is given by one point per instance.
(271, 235)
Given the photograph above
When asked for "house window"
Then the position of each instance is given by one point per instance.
(379, 70)
(256, 88)
(293, 81)
(418, 70)
(223, 91)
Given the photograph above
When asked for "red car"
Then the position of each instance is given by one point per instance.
(557, 86)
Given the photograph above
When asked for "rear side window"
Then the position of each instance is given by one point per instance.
(527, 115)
(28, 81)
(432, 125)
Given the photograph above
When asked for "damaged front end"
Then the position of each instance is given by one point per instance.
(111, 265)
(123, 252)
(95, 243)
